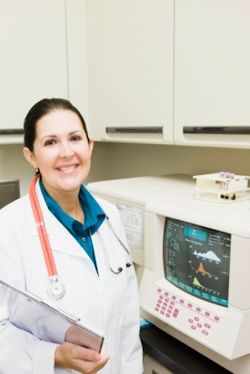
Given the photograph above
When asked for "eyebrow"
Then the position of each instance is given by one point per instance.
(56, 136)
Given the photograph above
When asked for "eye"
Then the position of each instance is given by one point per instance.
(76, 138)
(49, 142)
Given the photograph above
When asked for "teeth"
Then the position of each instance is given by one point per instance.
(67, 168)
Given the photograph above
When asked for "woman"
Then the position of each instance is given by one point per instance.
(86, 238)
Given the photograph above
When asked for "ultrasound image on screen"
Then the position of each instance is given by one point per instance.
(196, 259)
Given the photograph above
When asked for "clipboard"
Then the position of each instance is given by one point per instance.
(46, 322)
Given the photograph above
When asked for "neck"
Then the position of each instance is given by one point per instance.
(68, 201)
(72, 206)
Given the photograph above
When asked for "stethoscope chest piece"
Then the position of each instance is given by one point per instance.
(56, 289)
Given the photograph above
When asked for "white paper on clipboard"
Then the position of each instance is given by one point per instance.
(47, 322)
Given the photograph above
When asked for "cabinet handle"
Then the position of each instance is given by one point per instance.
(223, 130)
(11, 131)
(134, 130)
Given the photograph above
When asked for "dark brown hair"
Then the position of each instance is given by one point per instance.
(40, 109)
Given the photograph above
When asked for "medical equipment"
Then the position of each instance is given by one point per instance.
(128, 264)
(196, 281)
(130, 195)
(55, 288)
(222, 187)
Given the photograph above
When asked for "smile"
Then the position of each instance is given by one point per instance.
(67, 168)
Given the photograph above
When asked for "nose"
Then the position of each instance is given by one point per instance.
(66, 149)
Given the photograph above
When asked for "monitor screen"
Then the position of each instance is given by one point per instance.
(196, 260)
(9, 191)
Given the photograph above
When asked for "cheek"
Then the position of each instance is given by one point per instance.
(85, 155)
(45, 159)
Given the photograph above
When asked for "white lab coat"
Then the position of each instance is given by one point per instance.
(105, 302)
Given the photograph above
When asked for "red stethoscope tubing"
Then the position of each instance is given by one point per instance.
(42, 232)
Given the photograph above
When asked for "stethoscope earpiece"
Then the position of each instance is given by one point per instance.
(118, 271)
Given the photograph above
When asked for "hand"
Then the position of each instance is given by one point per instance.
(83, 360)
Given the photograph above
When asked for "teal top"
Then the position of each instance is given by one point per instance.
(93, 213)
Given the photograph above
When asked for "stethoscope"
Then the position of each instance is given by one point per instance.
(56, 289)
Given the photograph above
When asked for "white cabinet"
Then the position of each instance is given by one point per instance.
(130, 60)
(212, 73)
(36, 60)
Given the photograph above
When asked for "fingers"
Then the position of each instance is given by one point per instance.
(90, 367)
(78, 358)
(82, 353)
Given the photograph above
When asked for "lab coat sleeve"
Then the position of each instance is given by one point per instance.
(21, 352)
(131, 350)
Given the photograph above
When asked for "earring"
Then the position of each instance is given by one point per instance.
(37, 171)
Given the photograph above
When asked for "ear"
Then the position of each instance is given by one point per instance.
(30, 157)
(91, 146)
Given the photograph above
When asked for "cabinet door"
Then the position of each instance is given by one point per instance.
(212, 72)
(33, 61)
(77, 55)
(130, 50)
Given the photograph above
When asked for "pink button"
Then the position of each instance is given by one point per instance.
(190, 320)
(193, 327)
(173, 297)
(198, 309)
(196, 318)
(207, 314)
(166, 293)
(158, 290)
(167, 315)
(182, 301)
(204, 332)
(216, 318)
(156, 309)
(190, 305)
(207, 325)
(172, 302)
(199, 325)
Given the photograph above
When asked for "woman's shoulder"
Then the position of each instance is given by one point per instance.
(14, 209)
(107, 206)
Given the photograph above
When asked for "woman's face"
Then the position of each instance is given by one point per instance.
(61, 151)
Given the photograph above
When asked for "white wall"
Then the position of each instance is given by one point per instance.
(116, 160)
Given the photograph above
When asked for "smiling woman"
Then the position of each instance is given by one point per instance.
(83, 237)
(62, 153)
